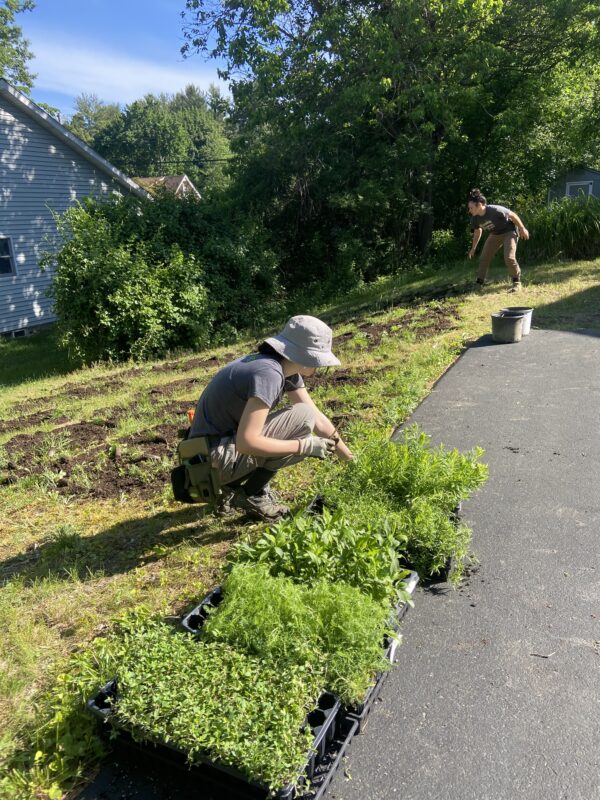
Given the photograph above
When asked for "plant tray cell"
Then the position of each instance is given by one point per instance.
(195, 619)
(443, 574)
(323, 721)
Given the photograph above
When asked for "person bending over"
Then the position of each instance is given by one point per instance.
(249, 441)
(505, 227)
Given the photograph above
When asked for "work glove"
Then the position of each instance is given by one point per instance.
(316, 447)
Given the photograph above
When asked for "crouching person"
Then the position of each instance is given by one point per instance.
(249, 441)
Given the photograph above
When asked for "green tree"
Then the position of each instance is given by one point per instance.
(91, 116)
(362, 125)
(168, 136)
(14, 49)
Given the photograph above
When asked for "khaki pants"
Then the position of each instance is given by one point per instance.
(293, 422)
(493, 243)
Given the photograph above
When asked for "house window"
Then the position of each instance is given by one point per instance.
(7, 261)
(579, 188)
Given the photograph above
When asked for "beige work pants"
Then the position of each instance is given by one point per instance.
(292, 422)
(493, 243)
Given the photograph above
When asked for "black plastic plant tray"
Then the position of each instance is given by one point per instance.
(337, 749)
(196, 618)
(361, 711)
(322, 720)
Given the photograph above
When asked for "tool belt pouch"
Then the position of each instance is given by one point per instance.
(203, 483)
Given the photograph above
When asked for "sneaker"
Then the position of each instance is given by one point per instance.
(479, 284)
(516, 287)
(263, 506)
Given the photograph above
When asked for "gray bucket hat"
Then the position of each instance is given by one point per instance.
(305, 340)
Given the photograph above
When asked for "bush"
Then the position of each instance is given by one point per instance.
(115, 300)
(567, 228)
(137, 278)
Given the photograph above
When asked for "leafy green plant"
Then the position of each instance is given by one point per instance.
(334, 629)
(412, 487)
(209, 699)
(396, 473)
(117, 299)
(568, 228)
(331, 547)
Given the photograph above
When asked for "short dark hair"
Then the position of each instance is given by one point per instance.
(475, 196)
(266, 350)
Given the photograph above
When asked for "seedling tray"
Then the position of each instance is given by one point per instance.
(196, 618)
(361, 711)
(322, 721)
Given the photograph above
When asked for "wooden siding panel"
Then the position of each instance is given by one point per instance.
(38, 174)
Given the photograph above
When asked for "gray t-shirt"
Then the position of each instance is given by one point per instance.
(495, 220)
(222, 403)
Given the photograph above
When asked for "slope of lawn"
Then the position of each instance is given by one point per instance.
(88, 527)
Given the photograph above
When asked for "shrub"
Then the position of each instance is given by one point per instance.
(334, 628)
(567, 228)
(115, 300)
(136, 278)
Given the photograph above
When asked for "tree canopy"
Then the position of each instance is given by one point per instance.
(161, 135)
(14, 49)
(363, 124)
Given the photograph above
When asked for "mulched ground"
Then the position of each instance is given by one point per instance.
(83, 458)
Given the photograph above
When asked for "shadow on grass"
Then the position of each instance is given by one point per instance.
(32, 358)
(118, 549)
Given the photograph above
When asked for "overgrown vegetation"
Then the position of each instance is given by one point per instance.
(135, 279)
(566, 229)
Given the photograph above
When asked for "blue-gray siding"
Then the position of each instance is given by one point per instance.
(38, 172)
(559, 189)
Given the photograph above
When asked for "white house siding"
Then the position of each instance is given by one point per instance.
(38, 173)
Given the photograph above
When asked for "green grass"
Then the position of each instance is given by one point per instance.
(71, 563)
(31, 358)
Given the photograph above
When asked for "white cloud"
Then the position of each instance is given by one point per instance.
(73, 68)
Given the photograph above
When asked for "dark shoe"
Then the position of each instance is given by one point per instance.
(479, 284)
(224, 507)
(516, 287)
(264, 506)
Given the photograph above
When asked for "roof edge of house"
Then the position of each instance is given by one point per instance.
(48, 122)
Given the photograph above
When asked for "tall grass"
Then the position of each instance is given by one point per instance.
(568, 228)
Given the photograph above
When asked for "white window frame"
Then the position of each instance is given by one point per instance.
(589, 184)
(11, 254)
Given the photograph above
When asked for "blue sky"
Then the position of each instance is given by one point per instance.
(117, 49)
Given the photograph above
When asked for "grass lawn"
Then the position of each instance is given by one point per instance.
(88, 526)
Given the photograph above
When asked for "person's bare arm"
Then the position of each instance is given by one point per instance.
(523, 232)
(476, 238)
(323, 425)
(250, 439)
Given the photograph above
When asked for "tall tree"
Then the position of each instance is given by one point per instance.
(364, 122)
(91, 116)
(168, 135)
(14, 49)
